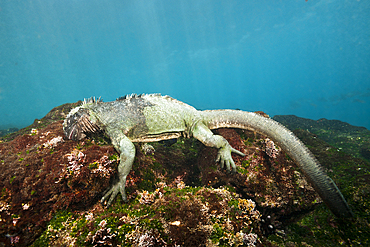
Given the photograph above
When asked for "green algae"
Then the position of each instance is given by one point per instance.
(166, 220)
(130, 221)
(319, 227)
(351, 139)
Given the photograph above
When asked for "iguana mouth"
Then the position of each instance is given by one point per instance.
(78, 123)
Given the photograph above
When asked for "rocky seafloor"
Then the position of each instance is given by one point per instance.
(178, 196)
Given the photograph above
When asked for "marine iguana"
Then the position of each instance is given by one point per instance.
(152, 117)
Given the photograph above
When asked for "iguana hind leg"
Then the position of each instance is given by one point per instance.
(127, 155)
(205, 135)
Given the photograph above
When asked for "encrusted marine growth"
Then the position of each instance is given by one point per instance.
(148, 118)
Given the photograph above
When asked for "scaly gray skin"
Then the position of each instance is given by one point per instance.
(148, 118)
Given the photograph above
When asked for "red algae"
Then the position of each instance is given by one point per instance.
(43, 173)
(33, 169)
(275, 182)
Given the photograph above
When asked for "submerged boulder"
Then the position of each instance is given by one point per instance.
(51, 190)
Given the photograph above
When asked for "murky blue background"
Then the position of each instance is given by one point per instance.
(308, 58)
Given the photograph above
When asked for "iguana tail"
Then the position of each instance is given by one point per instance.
(296, 150)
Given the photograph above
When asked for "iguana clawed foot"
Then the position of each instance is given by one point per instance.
(224, 157)
(113, 191)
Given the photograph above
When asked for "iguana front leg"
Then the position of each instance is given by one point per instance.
(127, 155)
(205, 135)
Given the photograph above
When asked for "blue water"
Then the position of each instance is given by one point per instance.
(308, 58)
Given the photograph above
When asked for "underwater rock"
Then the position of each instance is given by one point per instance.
(267, 176)
(351, 139)
(177, 194)
(41, 173)
(4, 132)
(365, 152)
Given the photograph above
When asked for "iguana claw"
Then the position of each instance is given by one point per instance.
(224, 157)
(113, 192)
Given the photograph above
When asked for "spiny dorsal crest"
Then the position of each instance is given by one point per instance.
(134, 95)
(92, 100)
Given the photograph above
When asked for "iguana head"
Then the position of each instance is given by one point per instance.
(78, 124)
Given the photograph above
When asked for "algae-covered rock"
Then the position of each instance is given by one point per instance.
(348, 138)
(7, 131)
(350, 173)
(178, 196)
